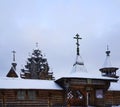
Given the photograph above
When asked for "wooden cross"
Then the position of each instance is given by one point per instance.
(13, 55)
(77, 43)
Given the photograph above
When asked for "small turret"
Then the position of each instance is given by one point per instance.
(108, 70)
(12, 71)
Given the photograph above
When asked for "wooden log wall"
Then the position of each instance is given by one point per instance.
(112, 98)
(44, 98)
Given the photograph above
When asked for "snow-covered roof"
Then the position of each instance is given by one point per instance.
(107, 62)
(115, 86)
(79, 71)
(78, 65)
(87, 75)
(17, 83)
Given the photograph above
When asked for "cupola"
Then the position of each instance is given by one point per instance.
(107, 69)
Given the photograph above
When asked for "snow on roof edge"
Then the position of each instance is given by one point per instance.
(10, 83)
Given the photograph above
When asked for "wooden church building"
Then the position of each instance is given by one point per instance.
(36, 86)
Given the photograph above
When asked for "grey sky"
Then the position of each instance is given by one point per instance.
(53, 23)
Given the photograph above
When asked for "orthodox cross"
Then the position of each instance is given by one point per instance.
(13, 55)
(77, 43)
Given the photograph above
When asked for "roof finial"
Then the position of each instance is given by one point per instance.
(13, 55)
(107, 47)
(108, 52)
(36, 45)
(77, 43)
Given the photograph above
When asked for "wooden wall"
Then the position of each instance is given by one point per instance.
(51, 98)
(112, 98)
(44, 98)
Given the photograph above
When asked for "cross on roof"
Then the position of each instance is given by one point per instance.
(77, 43)
(13, 55)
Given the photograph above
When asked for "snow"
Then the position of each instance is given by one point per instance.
(79, 71)
(79, 65)
(88, 75)
(115, 86)
(107, 62)
(17, 83)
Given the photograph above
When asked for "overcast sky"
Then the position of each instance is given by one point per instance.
(53, 24)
